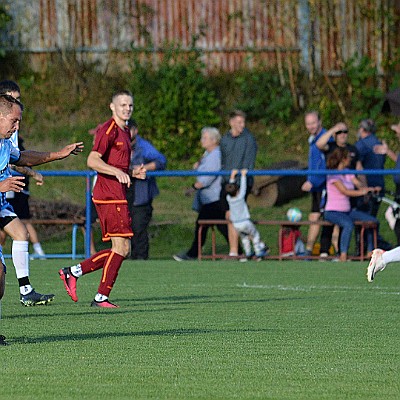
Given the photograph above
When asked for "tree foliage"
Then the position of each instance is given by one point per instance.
(5, 18)
(173, 103)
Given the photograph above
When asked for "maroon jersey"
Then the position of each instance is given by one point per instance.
(114, 144)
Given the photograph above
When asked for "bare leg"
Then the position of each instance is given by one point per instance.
(313, 230)
(33, 236)
(335, 237)
(233, 237)
(3, 237)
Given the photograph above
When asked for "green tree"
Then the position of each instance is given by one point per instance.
(173, 103)
(4, 20)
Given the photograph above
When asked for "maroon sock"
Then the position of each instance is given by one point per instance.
(95, 262)
(110, 273)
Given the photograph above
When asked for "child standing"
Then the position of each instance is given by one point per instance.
(240, 216)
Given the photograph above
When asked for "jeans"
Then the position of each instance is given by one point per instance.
(345, 221)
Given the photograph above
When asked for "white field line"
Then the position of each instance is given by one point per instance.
(382, 290)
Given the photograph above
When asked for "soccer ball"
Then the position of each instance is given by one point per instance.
(294, 214)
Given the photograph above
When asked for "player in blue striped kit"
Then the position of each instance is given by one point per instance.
(10, 117)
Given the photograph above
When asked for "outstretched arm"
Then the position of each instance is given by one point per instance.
(353, 192)
(37, 176)
(30, 158)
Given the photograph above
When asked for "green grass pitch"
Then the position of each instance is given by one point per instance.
(207, 330)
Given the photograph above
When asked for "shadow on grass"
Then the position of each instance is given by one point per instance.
(168, 304)
(108, 335)
(181, 300)
(91, 311)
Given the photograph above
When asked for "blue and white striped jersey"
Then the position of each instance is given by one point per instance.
(8, 154)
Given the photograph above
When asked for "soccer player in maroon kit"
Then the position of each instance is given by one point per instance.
(110, 157)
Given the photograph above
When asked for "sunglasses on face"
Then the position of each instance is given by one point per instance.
(342, 131)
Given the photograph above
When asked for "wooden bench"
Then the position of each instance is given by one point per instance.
(282, 225)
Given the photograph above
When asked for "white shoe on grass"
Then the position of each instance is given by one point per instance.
(375, 265)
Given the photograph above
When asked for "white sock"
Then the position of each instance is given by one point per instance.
(391, 255)
(76, 270)
(25, 289)
(38, 249)
(20, 257)
(100, 297)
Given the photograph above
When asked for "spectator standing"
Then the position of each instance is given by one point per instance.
(238, 151)
(338, 209)
(370, 160)
(110, 157)
(315, 183)
(384, 149)
(141, 192)
(207, 190)
(240, 216)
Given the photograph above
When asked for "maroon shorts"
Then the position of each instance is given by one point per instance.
(115, 220)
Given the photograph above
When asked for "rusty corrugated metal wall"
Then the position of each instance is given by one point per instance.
(231, 33)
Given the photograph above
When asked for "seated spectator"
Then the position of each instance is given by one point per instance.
(207, 191)
(338, 209)
(240, 216)
(291, 242)
(340, 134)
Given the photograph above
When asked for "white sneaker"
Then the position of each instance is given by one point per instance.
(375, 265)
(323, 256)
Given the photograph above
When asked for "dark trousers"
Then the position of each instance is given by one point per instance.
(141, 217)
(371, 207)
(326, 238)
(208, 211)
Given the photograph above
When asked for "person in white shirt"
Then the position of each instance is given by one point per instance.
(240, 216)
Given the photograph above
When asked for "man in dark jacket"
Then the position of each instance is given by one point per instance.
(238, 151)
(141, 193)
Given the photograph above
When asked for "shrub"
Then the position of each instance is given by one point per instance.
(364, 96)
(173, 103)
(263, 97)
